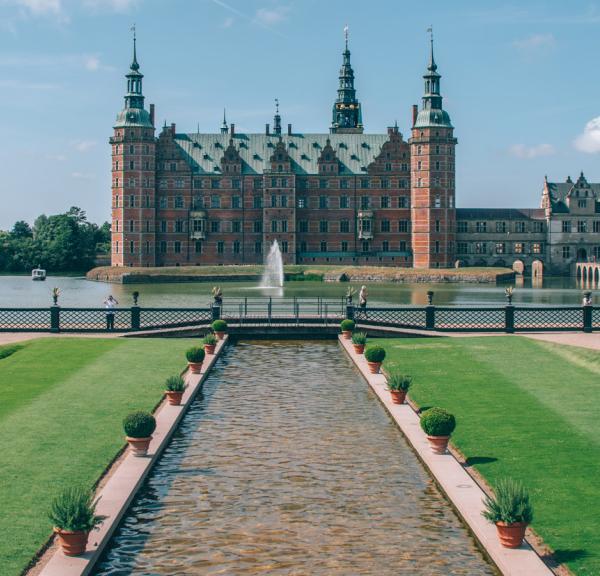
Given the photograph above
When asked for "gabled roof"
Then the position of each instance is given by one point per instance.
(559, 192)
(354, 151)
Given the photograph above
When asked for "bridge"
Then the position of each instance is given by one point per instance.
(588, 272)
(247, 313)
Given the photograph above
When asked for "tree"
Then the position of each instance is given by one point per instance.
(21, 230)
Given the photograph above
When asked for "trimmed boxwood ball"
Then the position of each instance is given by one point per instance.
(347, 325)
(195, 354)
(139, 424)
(437, 422)
(219, 325)
(375, 354)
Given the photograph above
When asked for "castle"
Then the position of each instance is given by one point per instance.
(342, 197)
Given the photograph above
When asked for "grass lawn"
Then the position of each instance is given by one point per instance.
(63, 400)
(526, 409)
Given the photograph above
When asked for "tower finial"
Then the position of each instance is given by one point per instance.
(134, 64)
(224, 127)
(277, 119)
(346, 33)
(432, 65)
(276, 105)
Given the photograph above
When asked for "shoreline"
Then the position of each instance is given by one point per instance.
(253, 273)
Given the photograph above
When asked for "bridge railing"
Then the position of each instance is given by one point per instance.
(260, 311)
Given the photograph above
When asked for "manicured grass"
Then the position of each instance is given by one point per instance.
(62, 403)
(525, 409)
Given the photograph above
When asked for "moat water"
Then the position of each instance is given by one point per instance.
(289, 467)
(21, 291)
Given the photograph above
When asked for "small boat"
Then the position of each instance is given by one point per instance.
(38, 274)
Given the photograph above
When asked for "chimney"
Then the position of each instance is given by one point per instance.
(173, 128)
(289, 129)
(267, 129)
(232, 131)
(152, 114)
(415, 113)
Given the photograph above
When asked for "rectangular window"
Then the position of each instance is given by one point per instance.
(402, 225)
(284, 246)
(480, 248)
(220, 247)
(344, 246)
(582, 203)
(198, 247)
(258, 247)
(365, 202)
(364, 183)
(163, 247)
(302, 226)
(236, 247)
(385, 183)
(436, 247)
(365, 246)
(343, 184)
(323, 202)
(236, 202)
(215, 201)
(197, 183)
(596, 226)
(402, 246)
(257, 183)
(519, 248)
(132, 247)
(388, 166)
(385, 202)
(538, 227)
(273, 201)
(301, 202)
(284, 227)
(178, 226)
(566, 252)
(581, 226)
(437, 202)
(323, 246)
(536, 248)
(132, 201)
(236, 226)
(179, 183)
(178, 201)
(461, 247)
(344, 201)
(235, 183)
(177, 247)
(566, 226)
(323, 226)
(173, 166)
(437, 225)
(520, 227)
(500, 248)
(273, 225)
(385, 246)
(403, 183)
(481, 227)
(257, 202)
(284, 182)
(344, 226)
(322, 183)
(385, 225)
(273, 182)
(501, 227)
(163, 203)
(214, 184)
(403, 202)
(284, 201)
(163, 226)
(258, 226)
(131, 225)
(215, 226)
(596, 252)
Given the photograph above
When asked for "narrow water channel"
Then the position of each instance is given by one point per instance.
(289, 465)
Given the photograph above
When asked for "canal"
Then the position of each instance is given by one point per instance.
(288, 464)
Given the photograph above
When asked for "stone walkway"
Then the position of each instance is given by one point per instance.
(569, 339)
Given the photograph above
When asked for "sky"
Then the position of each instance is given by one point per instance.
(520, 82)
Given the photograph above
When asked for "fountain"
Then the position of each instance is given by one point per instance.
(273, 275)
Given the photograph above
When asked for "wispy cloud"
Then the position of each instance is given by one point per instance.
(30, 86)
(589, 140)
(529, 152)
(517, 14)
(272, 16)
(535, 43)
(228, 22)
(84, 145)
(41, 7)
(121, 6)
(91, 62)
(83, 176)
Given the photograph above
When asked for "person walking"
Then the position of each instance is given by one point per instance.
(362, 299)
(110, 304)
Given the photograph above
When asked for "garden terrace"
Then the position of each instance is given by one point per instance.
(525, 409)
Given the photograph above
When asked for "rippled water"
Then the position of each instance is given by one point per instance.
(289, 465)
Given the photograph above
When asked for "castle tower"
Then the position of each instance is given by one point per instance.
(433, 210)
(133, 177)
(347, 113)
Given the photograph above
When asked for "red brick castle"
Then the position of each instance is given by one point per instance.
(343, 197)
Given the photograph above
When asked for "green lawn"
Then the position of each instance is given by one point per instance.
(526, 409)
(62, 402)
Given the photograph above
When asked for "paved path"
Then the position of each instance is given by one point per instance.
(570, 339)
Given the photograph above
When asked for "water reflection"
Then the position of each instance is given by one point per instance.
(290, 467)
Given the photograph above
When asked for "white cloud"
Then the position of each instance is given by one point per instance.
(271, 16)
(92, 63)
(84, 145)
(228, 22)
(41, 7)
(83, 176)
(111, 5)
(535, 42)
(589, 140)
(528, 152)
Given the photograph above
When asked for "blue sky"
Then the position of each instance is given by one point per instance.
(520, 82)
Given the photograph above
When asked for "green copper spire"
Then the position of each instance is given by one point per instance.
(346, 114)
(277, 119)
(432, 113)
(224, 127)
(133, 113)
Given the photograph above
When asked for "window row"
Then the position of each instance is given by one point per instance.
(301, 184)
(500, 227)
(581, 226)
(344, 246)
(499, 248)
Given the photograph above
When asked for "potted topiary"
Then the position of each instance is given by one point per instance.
(219, 327)
(195, 357)
(510, 510)
(398, 385)
(438, 424)
(174, 389)
(359, 339)
(347, 326)
(210, 343)
(139, 427)
(73, 513)
(374, 356)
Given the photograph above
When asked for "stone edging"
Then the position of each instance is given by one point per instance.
(461, 490)
(128, 476)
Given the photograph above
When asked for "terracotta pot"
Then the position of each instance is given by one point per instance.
(398, 396)
(210, 348)
(347, 334)
(195, 367)
(511, 535)
(359, 348)
(173, 397)
(220, 335)
(438, 444)
(72, 543)
(139, 446)
(374, 367)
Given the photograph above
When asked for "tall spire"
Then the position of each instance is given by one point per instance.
(347, 114)
(432, 113)
(134, 63)
(224, 127)
(277, 119)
